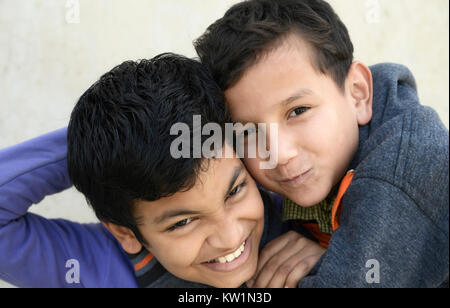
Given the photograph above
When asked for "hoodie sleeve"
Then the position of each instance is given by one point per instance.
(39, 252)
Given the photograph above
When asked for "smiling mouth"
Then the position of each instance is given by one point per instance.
(296, 180)
(230, 262)
(230, 257)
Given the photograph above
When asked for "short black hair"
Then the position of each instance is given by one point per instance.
(119, 134)
(251, 28)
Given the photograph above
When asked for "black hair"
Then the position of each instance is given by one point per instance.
(254, 27)
(119, 134)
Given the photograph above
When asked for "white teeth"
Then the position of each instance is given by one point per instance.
(231, 256)
(222, 260)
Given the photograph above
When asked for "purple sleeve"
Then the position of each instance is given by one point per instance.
(39, 252)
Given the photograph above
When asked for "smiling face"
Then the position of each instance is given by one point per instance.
(211, 233)
(317, 121)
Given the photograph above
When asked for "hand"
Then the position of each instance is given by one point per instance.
(285, 261)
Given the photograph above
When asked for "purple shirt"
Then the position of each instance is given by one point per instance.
(40, 252)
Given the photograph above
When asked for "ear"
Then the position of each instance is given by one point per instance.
(360, 88)
(125, 237)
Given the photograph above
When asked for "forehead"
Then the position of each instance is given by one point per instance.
(210, 188)
(277, 75)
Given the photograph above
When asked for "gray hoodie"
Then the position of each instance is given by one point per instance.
(395, 214)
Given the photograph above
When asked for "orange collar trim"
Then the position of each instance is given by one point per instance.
(337, 205)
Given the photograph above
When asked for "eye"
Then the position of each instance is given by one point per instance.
(181, 224)
(237, 189)
(298, 111)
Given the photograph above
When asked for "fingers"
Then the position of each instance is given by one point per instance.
(301, 270)
(273, 271)
(274, 247)
(290, 266)
(289, 274)
(285, 261)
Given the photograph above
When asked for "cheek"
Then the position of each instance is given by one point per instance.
(253, 211)
(167, 252)
(250, 213)
(327, 132)
(343, 133)
(335, 139)
(257, 206)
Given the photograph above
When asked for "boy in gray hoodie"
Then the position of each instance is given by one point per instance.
(361, 164)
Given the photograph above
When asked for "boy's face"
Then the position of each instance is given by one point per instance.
(317, 121)
(222, 215)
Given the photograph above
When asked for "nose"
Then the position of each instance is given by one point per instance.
(226, 234)
(285, 144)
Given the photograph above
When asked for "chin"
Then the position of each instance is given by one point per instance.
(227, 284)
(308, 202)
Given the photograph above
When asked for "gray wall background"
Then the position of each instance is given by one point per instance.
(51, 51)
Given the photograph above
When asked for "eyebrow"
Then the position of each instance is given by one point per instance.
(173, 213)
(180, 212)
(237, 172)
(286, 102)
(299, 94)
